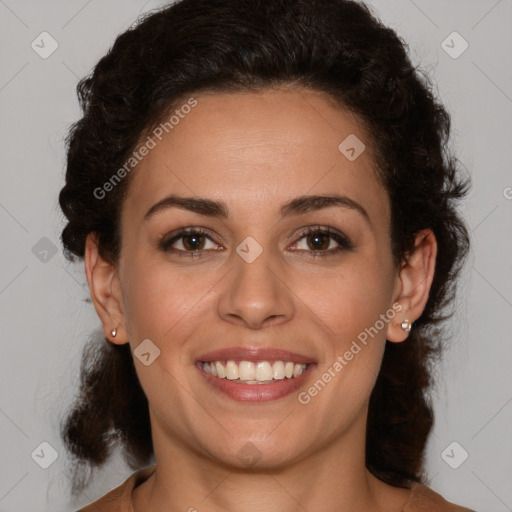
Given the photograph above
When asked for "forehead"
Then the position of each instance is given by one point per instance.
(258, 150)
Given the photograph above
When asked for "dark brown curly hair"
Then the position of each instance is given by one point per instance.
(338, 47)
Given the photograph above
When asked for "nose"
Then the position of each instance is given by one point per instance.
(256, 294)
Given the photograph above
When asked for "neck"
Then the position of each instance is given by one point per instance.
(334, 477)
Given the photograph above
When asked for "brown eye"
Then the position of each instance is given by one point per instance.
(191, 240)
(318, 241)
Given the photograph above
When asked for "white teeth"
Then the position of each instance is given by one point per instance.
(288, 370)
(231, 370)
(263, 371)
(248, 372)
(278, 370)
(221, 372)
(298, 370)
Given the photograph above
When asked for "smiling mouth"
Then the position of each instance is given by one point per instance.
(249, 372)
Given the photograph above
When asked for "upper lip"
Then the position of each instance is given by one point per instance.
(254, 354)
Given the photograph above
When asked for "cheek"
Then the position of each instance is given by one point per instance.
(349, 299)
(154, 299)
(349, 305)
(167, 303)
(163, 306)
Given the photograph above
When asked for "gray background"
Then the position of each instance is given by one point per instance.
(46, 320)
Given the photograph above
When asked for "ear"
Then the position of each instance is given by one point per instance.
(413, 284)
(106, 291)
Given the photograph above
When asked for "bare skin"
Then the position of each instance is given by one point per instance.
(256, 152)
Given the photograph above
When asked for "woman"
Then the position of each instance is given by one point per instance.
(266, 209)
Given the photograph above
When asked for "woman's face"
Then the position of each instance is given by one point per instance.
(251, 284)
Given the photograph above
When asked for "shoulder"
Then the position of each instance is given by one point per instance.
(425, 499)
(119, 499)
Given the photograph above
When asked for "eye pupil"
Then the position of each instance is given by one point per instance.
(317, 241)
(195, 244)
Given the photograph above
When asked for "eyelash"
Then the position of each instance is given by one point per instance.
(343, 241)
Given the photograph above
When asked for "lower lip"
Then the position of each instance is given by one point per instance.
(257, 392)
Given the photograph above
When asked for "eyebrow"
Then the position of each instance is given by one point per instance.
(296, 206)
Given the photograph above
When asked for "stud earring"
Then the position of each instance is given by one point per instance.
(114, 332)
(406, 325)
